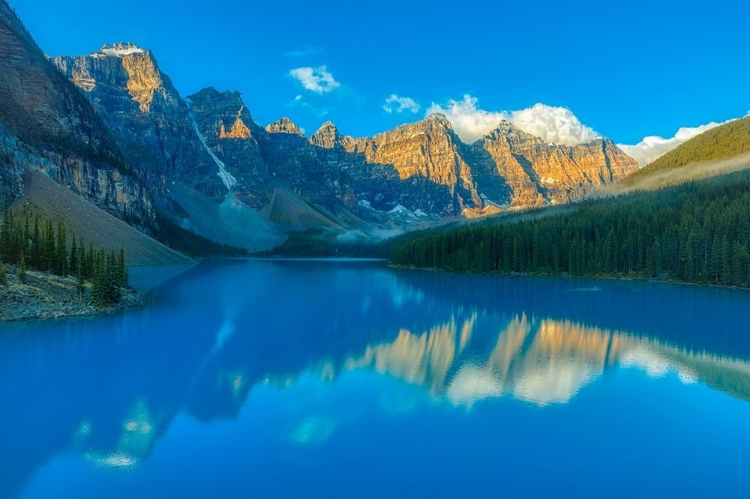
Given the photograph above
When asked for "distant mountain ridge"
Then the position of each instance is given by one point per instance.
(138, 148)
(423, 166)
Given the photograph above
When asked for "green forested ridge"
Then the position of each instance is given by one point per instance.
(32, 242)
(697, 232)
(723, 142)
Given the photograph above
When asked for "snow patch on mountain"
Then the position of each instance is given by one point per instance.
(401, 211)
(488, 202)
(118, 50)
(227, 178)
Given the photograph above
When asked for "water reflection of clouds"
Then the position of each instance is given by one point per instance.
(137, 435)
(312, 431)
(542, 362)
(472, 383)
(117, 460)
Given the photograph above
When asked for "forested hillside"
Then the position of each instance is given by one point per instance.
(30, 242)
(697, 232)
(723, 142)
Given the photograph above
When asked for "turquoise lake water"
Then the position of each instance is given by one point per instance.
(351, 380)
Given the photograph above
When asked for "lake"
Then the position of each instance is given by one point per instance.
(346, 379)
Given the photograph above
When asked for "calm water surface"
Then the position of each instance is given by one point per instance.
(348, 379)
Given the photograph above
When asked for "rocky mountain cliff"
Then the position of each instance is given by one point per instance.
(48, 126)
(425, 167)
(178, 146)
(520, 170)
(230, 132)
(421, 167)
(426, 159)
(146, 115)
(207, 165)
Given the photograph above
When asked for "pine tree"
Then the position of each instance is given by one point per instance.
(82, 265)
(61, 250)
(113, 291)
(3, 277)
(122, 271)
(80, 282)
(726, 262)
(36, 246)
(697, 232)
(49, 248)
(99, 292)
(74, 257)
(91, 263)
(22, 275)
(25, 236)
(5, 234)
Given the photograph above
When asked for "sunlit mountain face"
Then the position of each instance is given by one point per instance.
(305, 350)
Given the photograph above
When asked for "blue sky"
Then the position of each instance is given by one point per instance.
(625, 69)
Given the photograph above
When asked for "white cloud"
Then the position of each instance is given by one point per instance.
(469, 122)
(312, 431)
(653, 147)
(552, 124)
(317, 80)
(397, 104)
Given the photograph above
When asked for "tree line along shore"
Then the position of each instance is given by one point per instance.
(46, 271)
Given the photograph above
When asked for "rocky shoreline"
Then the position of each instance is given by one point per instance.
(47, 296)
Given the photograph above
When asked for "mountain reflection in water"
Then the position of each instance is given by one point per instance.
(108, 389)
(542, 362)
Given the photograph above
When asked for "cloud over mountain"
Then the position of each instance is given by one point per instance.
(554, 124)
(653, 147)
(318, 80)
(397, 104)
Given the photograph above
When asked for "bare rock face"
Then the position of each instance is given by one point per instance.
(284, 125)
(126, 140)
(271, 166)
(211, 144)
(38, 103)
(11, 170)
(238, 131)
(424, 166)
(47, 125)
(229, 131)
(435, 172)
(152, 124)
(533, 172)
(327, 136)
(427, 155)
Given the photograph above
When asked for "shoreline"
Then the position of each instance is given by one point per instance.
(571, 277)
(48, 297)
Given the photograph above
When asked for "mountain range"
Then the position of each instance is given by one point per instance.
(111, 127)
